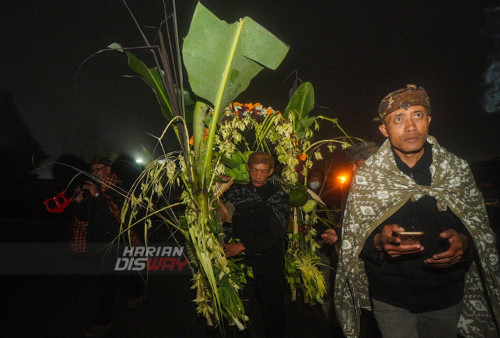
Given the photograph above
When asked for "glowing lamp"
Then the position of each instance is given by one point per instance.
(342, 179)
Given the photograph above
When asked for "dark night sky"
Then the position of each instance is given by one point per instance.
(354, 52)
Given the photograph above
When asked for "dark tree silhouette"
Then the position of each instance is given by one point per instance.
(17, 145)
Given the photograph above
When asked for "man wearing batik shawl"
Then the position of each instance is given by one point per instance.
(447, 282)
(101, 209)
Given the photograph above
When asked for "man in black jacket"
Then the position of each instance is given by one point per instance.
(259, 223)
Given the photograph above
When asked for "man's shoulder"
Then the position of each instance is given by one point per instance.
(278, 190)
(441, 155)
(238, 187)
(236, 192)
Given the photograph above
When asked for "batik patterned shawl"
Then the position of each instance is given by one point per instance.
(380, 189)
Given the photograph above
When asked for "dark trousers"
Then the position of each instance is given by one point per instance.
(131, 284)
(397, 322)
(265, 305)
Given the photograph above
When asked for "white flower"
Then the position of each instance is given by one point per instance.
(317, 155)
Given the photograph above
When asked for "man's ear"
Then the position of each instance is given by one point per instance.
(271, 171)
(383, 129)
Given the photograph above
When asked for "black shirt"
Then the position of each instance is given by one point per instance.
(406, 281)
(259, 223)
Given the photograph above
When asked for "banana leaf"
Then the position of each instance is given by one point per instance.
(152, 77)
(221, 58)
(302, 102)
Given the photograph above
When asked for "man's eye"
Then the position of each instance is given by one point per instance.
(419, 115)
(398, 119)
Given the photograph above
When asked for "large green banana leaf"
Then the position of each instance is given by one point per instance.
(222, 58)
(300, 105)
(152, 77)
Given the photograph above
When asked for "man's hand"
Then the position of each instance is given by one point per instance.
(225, 211)
(233, 249)
(330, 236)
(78, 195)
(91, 187)
(458, 245)
(385, 241)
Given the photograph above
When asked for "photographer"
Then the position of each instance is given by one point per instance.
(98, 202)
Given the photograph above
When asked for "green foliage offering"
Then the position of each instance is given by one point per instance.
(221, 59)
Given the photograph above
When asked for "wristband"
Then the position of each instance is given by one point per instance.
(96, 194)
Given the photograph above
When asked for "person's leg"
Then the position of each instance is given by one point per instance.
(132, 284)
(252, 309)
(440, 323)
(325, 254)
(270, 289)
(394, 321)
(106, 300)
(106, 294)
(369, 328)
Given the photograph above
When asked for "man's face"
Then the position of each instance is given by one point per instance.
(407, 129)
(100, 170)
(259, 173)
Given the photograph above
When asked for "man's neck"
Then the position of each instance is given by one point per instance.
(410, 159)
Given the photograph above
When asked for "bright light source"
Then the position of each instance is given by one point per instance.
(139, 160)
(342, 179)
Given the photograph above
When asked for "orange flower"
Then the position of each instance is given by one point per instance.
(191, 141)
(269, 111)
(249, 105)
(302, 157)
